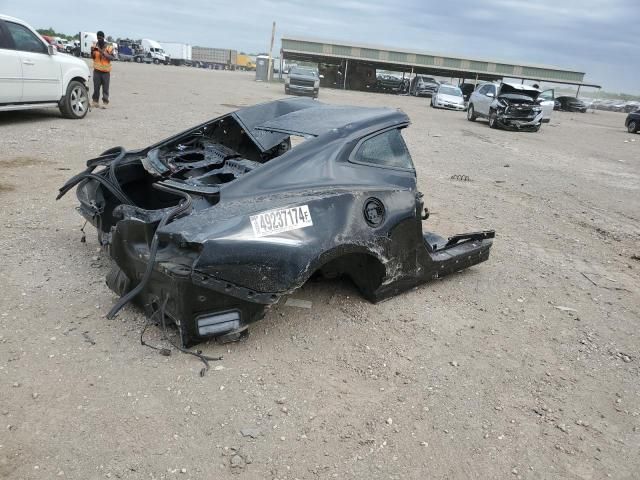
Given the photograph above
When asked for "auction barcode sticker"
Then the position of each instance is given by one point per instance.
(281, 220)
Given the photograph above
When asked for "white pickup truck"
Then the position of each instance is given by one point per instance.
(33, 74)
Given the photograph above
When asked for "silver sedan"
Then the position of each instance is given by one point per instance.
(448, 96)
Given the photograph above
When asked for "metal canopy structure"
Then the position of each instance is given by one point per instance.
(383, 58)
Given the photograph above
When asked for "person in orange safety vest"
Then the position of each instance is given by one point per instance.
(102, 54)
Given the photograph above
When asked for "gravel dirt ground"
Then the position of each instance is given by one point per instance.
(479, 375)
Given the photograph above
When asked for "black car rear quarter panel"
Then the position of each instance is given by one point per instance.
(334, 190)
(362, 220)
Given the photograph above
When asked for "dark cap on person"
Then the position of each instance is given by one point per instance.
(100, 34)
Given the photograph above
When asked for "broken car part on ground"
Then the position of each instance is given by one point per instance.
(217, 223)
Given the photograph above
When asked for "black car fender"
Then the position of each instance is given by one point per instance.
(235, 252)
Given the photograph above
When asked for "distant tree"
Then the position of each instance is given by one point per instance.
(50, 32)
(110, 38)
(46, 31)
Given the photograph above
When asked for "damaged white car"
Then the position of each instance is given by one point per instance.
(511, 106)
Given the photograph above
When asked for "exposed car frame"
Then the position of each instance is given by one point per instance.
(214, 225)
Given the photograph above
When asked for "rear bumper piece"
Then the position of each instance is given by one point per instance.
(202, 307)
(200, 312)
(441, 257)
(459, 252)
(459, 257)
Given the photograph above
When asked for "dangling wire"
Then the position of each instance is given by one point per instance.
(165, 336)
(163, 351)
(110, 182)
(204, 358)
(153, 250)
(83, 238)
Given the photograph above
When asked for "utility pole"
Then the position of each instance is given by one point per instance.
(273, 35)
(346, 68)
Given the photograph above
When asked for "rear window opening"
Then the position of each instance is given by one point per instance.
(218, 153)
(386, 149)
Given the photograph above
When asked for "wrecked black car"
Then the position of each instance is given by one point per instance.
(571, 104)
(217, 223)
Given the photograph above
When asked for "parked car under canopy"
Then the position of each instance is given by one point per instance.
(571, 104)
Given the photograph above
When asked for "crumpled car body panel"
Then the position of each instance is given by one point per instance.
(517, 112)
(262, 217)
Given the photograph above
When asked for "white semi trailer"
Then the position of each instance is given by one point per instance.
(180, 53)
(87, 39)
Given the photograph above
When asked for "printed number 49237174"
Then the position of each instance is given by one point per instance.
(281, 220)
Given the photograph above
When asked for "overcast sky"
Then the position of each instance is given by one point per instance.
(599, 37)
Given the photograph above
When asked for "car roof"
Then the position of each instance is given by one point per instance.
(12, 19)
(7, 18)
(317, 119)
